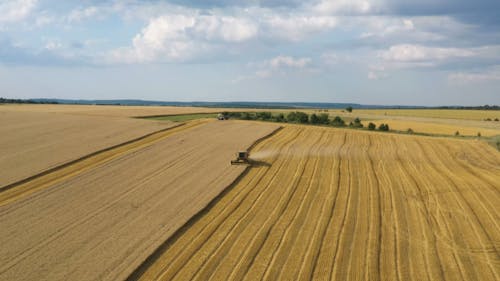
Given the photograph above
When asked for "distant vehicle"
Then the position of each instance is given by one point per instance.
(221, 116)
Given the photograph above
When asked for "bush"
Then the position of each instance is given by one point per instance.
(264, 115)
(383, 127)
(236, 115)
(457, 133)
(371, 126)
(323, 118)
(487, 119)
(478, 134)
(297, 117)
(496, 119)
(338, 122)
(409, 131)
(280, 117)
(357, 123)
(314, 119)
(247, 116)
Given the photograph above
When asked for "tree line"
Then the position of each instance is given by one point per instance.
(298, 117)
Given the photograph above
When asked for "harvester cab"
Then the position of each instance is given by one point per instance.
(241, 158)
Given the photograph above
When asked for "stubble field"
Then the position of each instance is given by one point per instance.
(317, 204)
(347, 205)
(101, 224)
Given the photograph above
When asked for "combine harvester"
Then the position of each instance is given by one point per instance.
(241, 158)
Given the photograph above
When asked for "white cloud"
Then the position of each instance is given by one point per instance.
(81, 14)
(492, 74)
(17, 10)
(419, 53)
(373, 75)
(296, 27)
(280, 65)
(343, 6)
(226, 28)
(180, 37)
(53, 45)
(286, 61)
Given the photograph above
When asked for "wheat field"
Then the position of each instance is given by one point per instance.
(347, 205)
(101, 222)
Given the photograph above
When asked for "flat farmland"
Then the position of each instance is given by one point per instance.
(437, 128)
(104, 222)
(347, 205)
(33, 142)
(436, 113)
(110, 110)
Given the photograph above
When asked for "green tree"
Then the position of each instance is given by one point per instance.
(263, 115)
(383, 127)
(338, 122)
(323, 118)
(302, 117)
(313, 118)
(280, 117)
(247, 116)
(297, 117)
(357, 123)
(371, 126)
(348, 109)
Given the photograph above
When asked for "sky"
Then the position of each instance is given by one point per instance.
(392, 52)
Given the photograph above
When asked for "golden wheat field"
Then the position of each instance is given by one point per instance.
(107, 110)
(100, 224)
(436, 113)
(436, 128)
(347, 205)
(88, 193)
(33, 141)
(426, 121)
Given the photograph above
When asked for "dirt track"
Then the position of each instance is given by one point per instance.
(102, 224)
(348, 205)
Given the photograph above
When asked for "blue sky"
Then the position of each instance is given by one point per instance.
(404, 52)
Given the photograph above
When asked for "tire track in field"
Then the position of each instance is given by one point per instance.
(470, 210)
(389, 251)
(478, 190)
(293, 226)
(341, 234)
(404, 233)
(358, 251)
(378, 218)
(424, 221)
(448, 225)
(310, 260)
(465, 264)
(322, 268)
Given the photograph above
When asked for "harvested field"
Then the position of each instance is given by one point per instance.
(436, 113)
(439, 129)
(109, 110)
(33, 142)
(347, 205)
(101, 224)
